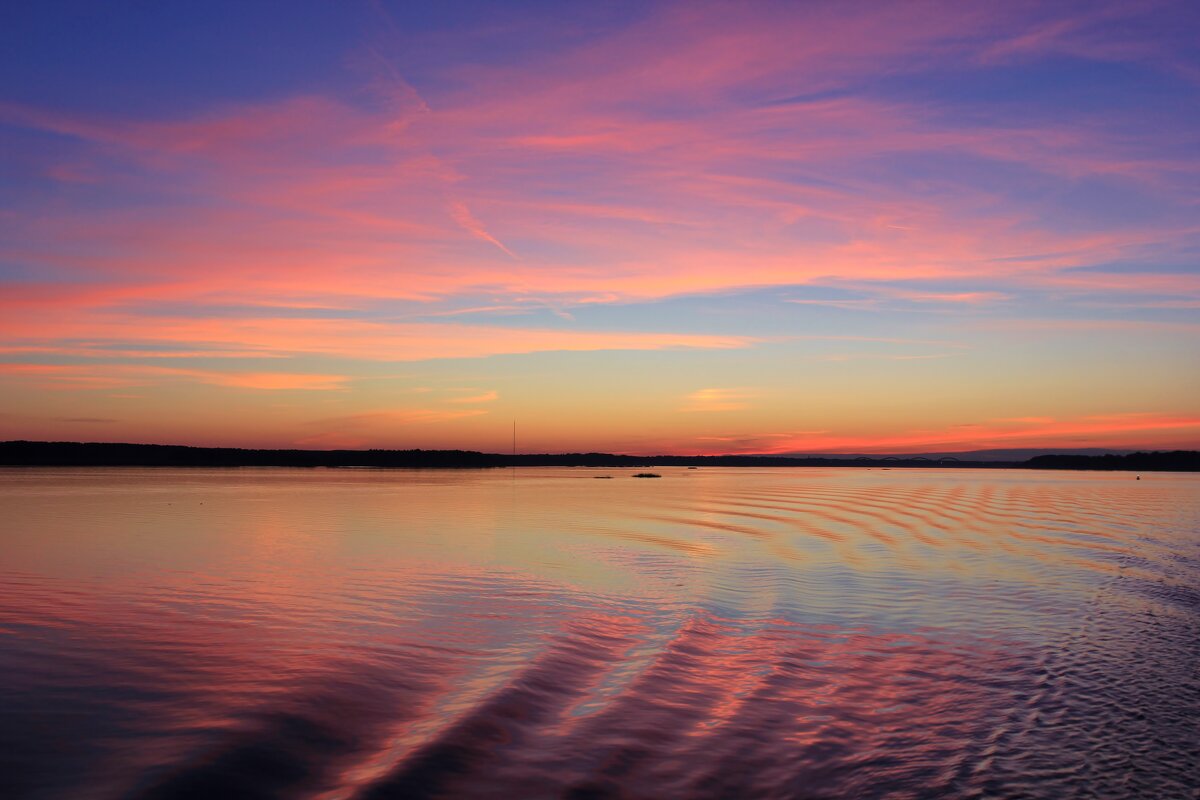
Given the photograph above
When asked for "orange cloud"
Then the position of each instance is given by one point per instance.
(486, 397)
(347, 338)
(718, 400)
(271, 380)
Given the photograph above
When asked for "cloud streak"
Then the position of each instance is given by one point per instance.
(709, 400)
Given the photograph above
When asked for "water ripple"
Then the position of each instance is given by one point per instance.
(719, 633)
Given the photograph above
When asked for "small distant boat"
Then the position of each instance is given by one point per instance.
(647, 475)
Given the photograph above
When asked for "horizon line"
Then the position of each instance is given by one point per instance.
(789, 455)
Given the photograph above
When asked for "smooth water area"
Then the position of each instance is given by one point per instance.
(540, 633)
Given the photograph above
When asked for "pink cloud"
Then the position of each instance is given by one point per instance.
(463, 216)
(332, 199)
(967, 298)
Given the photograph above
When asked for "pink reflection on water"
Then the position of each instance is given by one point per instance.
(724, 709)
(788, 634)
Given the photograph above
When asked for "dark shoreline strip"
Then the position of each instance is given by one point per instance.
(103, 454)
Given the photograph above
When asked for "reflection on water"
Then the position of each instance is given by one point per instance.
(718, 633)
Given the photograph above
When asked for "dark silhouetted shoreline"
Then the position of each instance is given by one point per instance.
(1169, 461)
(102, 454)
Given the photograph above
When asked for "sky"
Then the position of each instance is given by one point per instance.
(630, 227)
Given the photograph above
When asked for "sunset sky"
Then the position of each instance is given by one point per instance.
(631, 227)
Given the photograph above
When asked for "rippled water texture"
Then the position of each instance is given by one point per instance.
(800, 633)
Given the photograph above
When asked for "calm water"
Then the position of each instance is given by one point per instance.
(722, 633)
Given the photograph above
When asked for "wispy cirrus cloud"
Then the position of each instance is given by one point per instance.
(463, 216)
(319, 180)
(883, 356)
(105, 376)
(359, 339)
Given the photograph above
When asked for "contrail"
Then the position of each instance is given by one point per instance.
(463, 216)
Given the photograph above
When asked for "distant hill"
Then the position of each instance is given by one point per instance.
(22, 453)
(1172, 461)
(1010, 454)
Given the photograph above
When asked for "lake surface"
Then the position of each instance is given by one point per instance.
(716, 633)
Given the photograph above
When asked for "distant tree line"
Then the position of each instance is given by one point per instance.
(96, 454)
(1172, 461)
